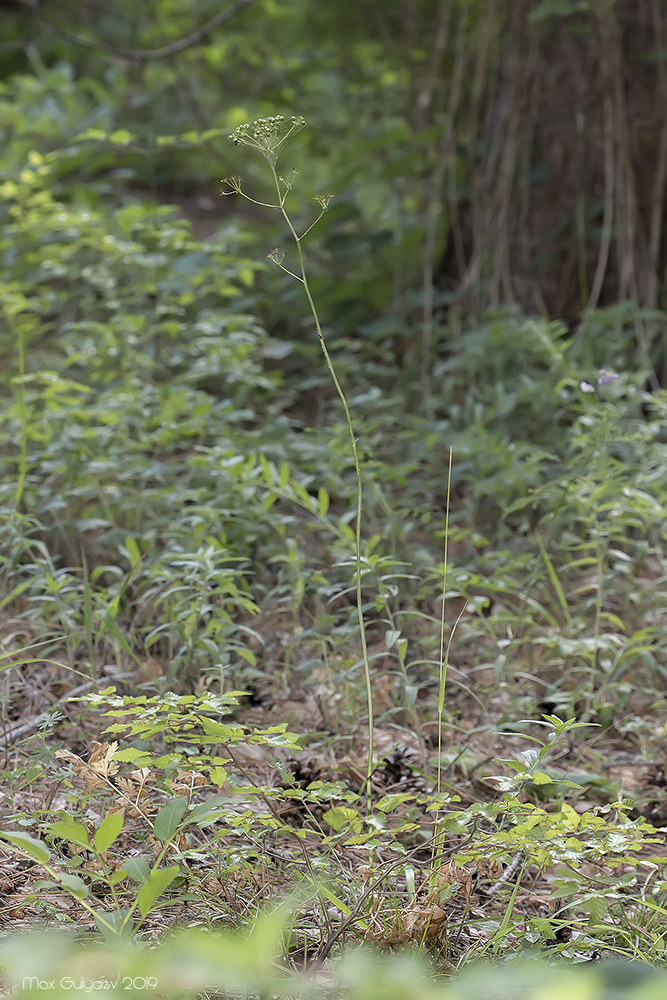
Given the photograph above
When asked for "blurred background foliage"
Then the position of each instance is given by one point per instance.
(481, 154)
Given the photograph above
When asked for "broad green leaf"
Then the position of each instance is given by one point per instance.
(138, 869)
(596, 907)
(108, 831)
(73, 884)
(540, 778)
(121, 137)
(303, 495)
(167, 820)
(248, 656)
(218, 776)
(114, 925)
(340, 816)
(36, 849)
(159, 880)
(204, 812)
(389, 802)
(91, 135)
(76, 833)
(220, 732)
(130, 756)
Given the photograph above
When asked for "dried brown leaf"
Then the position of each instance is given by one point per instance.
(101, 759)
(451, 874)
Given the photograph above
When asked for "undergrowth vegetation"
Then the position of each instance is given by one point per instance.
(431, 721)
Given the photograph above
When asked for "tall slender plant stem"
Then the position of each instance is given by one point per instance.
(357, 468)
(444, 654)
(268, 136)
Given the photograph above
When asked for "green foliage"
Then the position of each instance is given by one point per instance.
(159, 824)
(88, 866)
(180, 508)
(142, 364)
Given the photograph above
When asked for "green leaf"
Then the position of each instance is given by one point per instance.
(167, 820)
(35, 849)
(218, 776)
(130, 756)
(220, 732)
(540, 778)
(596, 907)
(132, 550)
(159, 880)
(341, 816)
(76, 833)
(76, 886)
(138, 869)
(389, 802)
(92, 135)
(108, 831)
(339, 903)
(114, 925)
(391, 637)
(303, 495)
(247, 655)
(555, 581)
(205, 812)
(322, 501)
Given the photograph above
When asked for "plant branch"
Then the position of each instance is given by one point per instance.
(145, 55)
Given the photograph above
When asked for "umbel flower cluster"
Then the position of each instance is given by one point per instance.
(268, 134)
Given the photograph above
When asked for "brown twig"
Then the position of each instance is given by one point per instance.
(163, 51)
